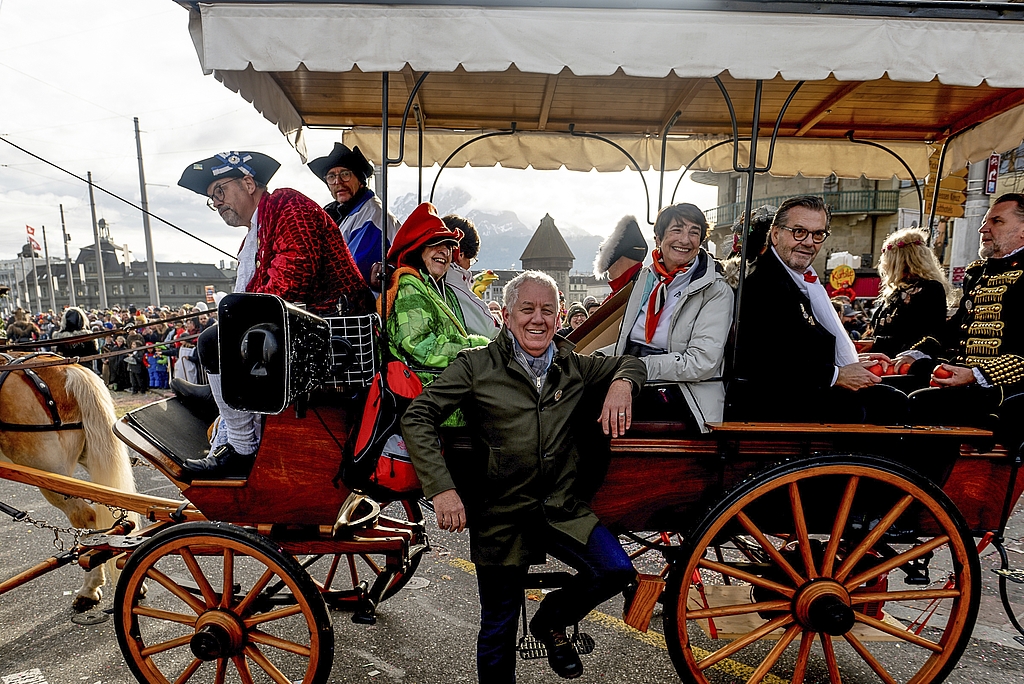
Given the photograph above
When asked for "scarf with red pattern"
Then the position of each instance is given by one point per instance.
(656, 302)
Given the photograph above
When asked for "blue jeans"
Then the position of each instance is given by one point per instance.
(602, 570)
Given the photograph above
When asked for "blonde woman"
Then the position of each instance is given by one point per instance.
(912, 302)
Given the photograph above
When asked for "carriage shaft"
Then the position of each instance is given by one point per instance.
(51, 563)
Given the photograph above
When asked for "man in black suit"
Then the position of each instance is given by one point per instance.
(794, 359)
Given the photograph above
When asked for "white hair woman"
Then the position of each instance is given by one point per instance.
(912, 301)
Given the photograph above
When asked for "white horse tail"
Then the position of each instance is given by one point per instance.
(105, 456)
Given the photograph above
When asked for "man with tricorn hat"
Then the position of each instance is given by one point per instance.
(291, 250)
(357, 212)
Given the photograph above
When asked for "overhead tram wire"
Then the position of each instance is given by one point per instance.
(118, 197)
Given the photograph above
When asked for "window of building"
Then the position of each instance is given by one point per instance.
(173, 290)
(145, 289)
(831, 184)
(131, 289)
(184, 289)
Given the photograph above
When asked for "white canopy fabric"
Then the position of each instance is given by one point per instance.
(242, 44)
(597, 42)
(812, 157)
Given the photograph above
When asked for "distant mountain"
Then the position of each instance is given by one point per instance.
(503, 236)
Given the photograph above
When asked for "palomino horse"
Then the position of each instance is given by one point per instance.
(78, 396)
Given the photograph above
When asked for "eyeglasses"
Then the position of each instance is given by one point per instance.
(218, 194)
(800, 234)
(342, 176)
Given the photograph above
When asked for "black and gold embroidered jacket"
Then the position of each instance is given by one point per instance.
(987, 330)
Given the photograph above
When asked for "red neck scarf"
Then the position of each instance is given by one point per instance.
(620, 282)
(656, 302)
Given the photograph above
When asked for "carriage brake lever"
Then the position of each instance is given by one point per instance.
(345, 522)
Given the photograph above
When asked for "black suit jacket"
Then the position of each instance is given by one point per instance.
(785, 359)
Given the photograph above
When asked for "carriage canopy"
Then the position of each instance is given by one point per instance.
(907, 74)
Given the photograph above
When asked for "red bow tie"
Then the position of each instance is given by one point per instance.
(810, 277)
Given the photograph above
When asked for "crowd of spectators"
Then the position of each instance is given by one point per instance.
(163, 348)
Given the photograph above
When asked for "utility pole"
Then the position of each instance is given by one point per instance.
(24, 279)
(49, 273)
(67, 261)
(99, 252)
(35, 279)
(154, 292)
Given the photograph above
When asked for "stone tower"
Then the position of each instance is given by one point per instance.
(549, 253)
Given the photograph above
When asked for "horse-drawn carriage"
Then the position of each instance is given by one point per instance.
(804, 551)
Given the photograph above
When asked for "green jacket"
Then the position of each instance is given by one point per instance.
(518, 478)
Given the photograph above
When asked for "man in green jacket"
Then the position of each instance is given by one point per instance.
(516, 492)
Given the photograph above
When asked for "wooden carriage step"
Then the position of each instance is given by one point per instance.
(641, 609)
(738, 427)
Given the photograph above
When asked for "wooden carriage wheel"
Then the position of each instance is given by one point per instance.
(208, 616)
(830, 604)
(344, 577)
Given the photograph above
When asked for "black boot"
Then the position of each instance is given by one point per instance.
(222, 463)
(562, 656)
(196, 398)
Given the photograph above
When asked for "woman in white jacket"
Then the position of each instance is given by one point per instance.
(677, 320)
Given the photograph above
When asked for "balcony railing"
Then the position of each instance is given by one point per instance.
(846, 202)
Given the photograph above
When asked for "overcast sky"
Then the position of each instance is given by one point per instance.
(73, 73)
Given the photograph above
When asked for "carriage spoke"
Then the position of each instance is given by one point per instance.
(266, 665)
(842, 515)
(166, 645)
(895, 562)
(352, 569)
(229, 579)
(738, 609)
(744, 641)
(890, 596)
(277, 642)
(242, 665)
(222, 670)
(197, 574)
(769, 548)
(830, 659)
(192, 668)
(898, 632)
(802, 656)
(373, 566)
(773, 656)
(800, 522)
(243, 607)
(165, 615)
(329, 579)
(728, 570)
(869, 541)
(272, 615)
(176, 589)
(872, 662)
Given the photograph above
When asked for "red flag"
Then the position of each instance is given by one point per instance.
(35, 245)
(30, 230)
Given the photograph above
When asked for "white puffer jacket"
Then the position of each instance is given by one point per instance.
(700, 328)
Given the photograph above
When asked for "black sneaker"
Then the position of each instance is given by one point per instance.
(562, 656)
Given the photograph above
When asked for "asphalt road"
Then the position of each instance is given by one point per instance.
(426, 633)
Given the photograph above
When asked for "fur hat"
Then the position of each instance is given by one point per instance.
(625, 241)
(341, 155)
(73, 320)
(198, 176)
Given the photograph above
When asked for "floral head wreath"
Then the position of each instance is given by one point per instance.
(902, 243)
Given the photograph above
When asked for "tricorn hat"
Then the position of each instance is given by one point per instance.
(625, 241)
(341, 155)
(198, 176)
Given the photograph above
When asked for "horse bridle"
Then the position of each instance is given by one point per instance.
(43, 389)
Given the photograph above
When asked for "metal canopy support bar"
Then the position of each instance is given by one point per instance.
(917, 184)
(664, 146)
(647, 192)
(696, 159)
(463, 146)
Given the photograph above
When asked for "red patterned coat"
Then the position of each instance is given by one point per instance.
(302, 258)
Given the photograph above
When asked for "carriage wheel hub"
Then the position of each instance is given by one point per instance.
(219, 634)
(824, 606)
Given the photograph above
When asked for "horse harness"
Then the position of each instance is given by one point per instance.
(43, 389)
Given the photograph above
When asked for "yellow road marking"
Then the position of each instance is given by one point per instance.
(651, 638)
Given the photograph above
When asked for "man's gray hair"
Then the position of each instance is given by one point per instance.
(510, 295)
